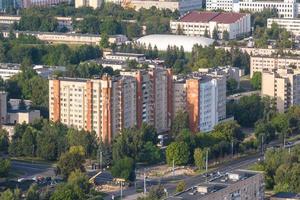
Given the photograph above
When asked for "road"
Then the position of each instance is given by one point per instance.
(30, 170)
(170, 183)
(236, 97)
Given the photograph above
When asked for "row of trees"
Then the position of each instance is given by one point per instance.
(124, 21)
(282, 169)
(29, 50)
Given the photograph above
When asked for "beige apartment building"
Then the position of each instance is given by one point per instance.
(260, 63)
(154, 97)
(109, 104)
(104, 105)
(283, 85)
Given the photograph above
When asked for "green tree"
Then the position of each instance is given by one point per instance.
(231, 85)
(124, 168)
(7, 195)
(228, 131)
(181, 186)
(180, 122)
(65, 192)
(4, 141)
(215, 34)
(150, 154)
(199, 158)
(256, 80)
(4, 167)
(33, 193)
(104, 42)
(225, 35)
(70, 161)
(80, 183)
(178, 152)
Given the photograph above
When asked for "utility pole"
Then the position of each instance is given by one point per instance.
(232, 148)
(206, 164)
(173, 167)
(121, 190)
(101, 161)
(145, 190)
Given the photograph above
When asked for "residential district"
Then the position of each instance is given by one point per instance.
(149, 99)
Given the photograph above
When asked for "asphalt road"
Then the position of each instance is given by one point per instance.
(170, 183)
(30, 170)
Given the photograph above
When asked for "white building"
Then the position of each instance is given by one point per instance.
(201, 23)
(88, 3)
(162, 42)
(226, 5)
(285, 9)
(291, 25)
(181, 5)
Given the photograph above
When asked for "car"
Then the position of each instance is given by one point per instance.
(21, 180)
(193, 192)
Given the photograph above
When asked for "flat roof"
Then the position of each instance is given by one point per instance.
(219, 17)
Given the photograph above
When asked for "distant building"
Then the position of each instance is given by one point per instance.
(285, 196)
(41, 3)
(260, 63)
(9, 4)
(181, 5)
(88, 3)
(238, 184)
(285, 9)
(283, 85)
(291, 25)
(201, 23)
(7, 70)
(7, 20)
(226, 5)
(16, 111)
(70, 38)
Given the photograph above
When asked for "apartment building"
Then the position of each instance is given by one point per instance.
(285, 9)
(235, 185)
(203, 96)
(182, 6)
(283, 85)
(9, 4)
(201, 23)
(226, 5)
(41, 3)
(260, 63)
(88, 3)
(154, 97)
(291, 25)
(105, 105)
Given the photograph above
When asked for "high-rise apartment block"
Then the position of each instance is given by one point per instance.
(283, 85)
(203, 96)
(109, 104)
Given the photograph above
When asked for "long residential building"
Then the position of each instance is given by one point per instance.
(41, 3)
(69, 38)
(88, 3)
(260, 63)
(226, 5)
(283, 85)
(109, 104)
(205, 23)
(291, 25)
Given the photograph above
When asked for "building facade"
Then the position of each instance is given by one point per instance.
(285, 9)
(41, 3)
(226, 5)
(205, 23)
(291, 25)
(181, 5)
(283, 85)
(260, 63)
(88, 3)
(203, 96)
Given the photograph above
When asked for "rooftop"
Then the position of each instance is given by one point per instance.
(219, 17)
